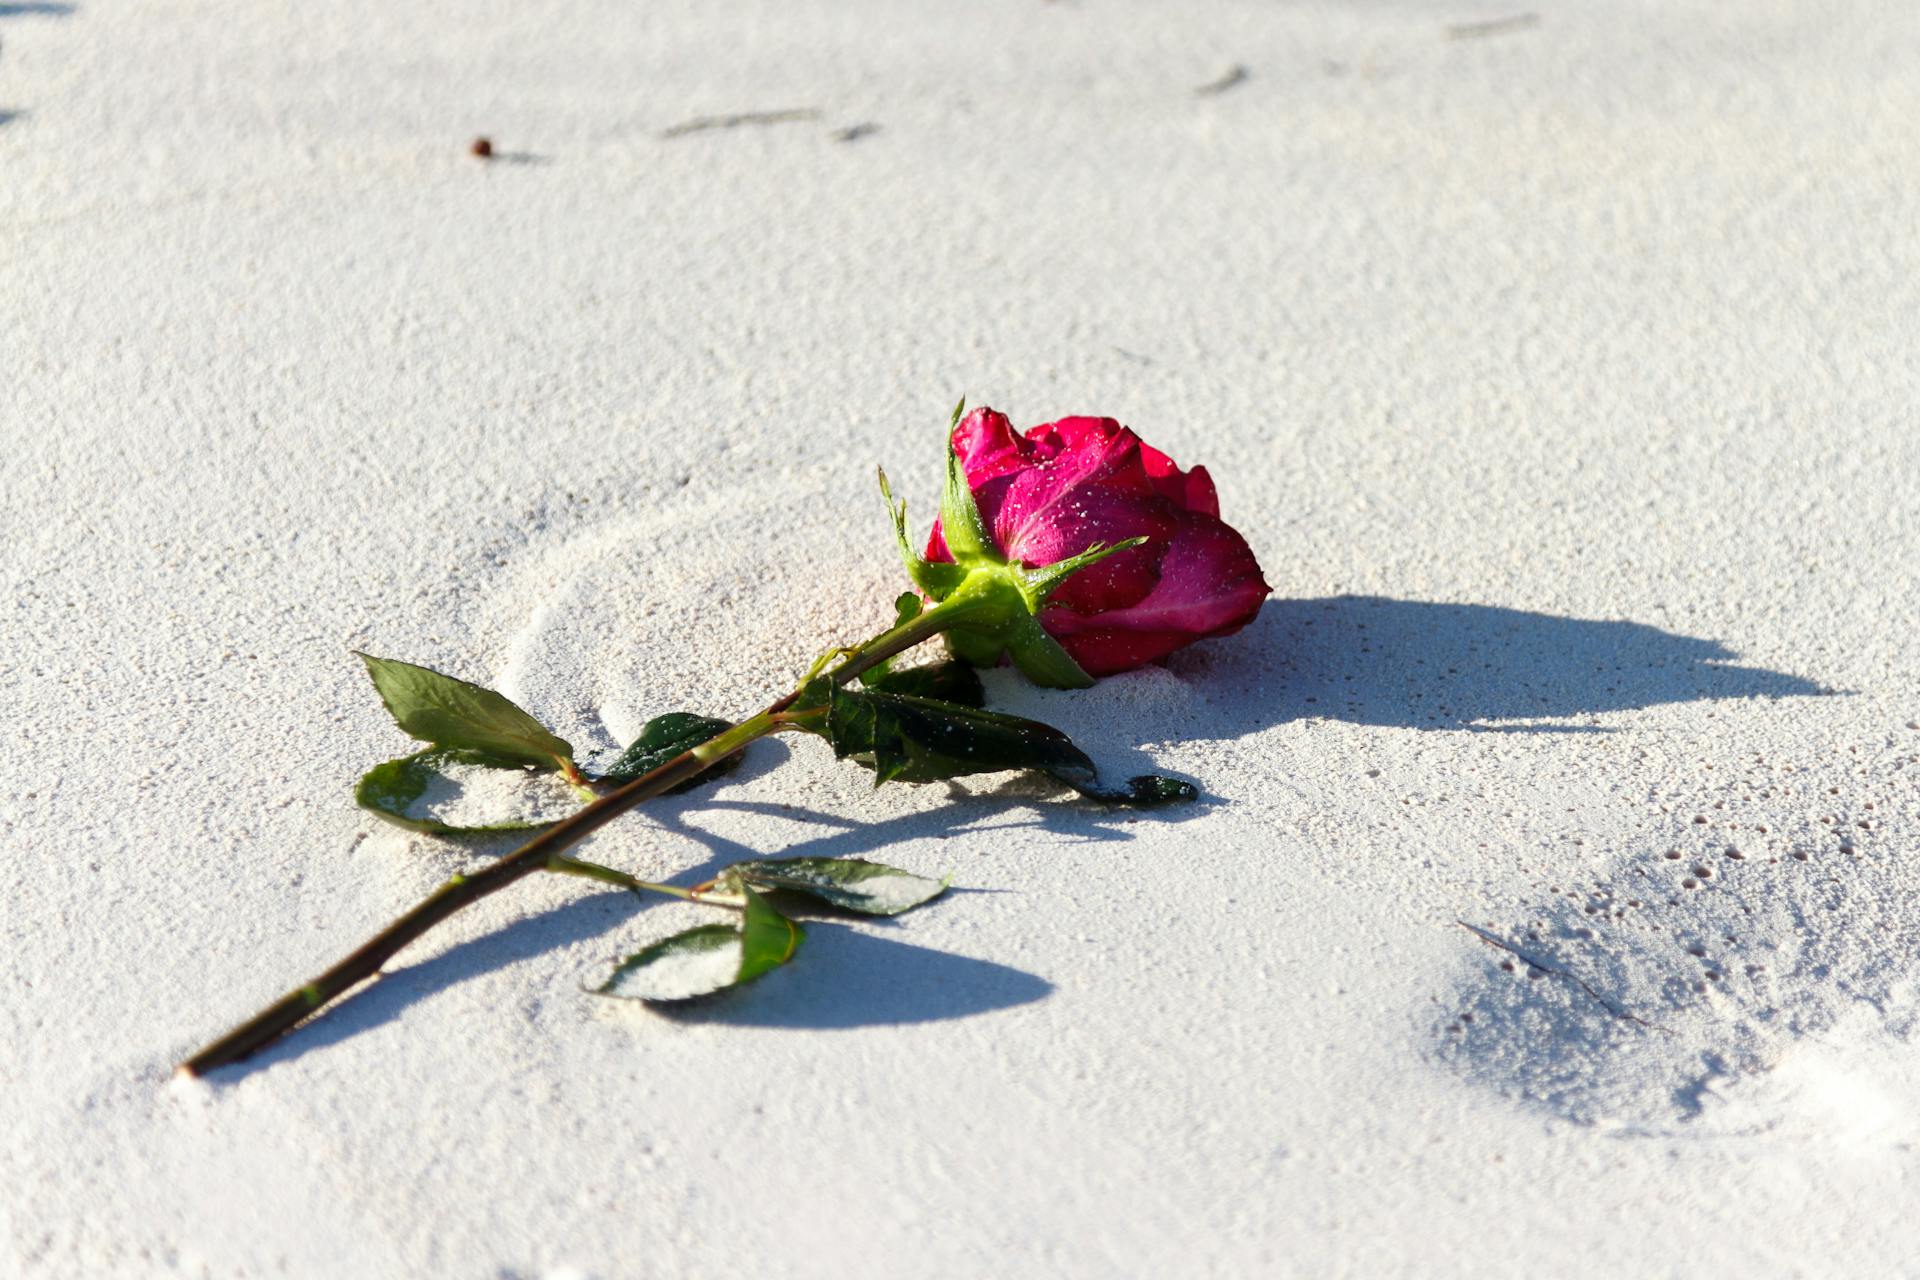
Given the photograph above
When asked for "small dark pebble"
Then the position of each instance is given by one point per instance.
(482, 147)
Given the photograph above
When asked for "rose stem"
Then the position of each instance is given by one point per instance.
(608, 875)
(537, 854)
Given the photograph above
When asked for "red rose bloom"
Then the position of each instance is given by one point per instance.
(1066, 485)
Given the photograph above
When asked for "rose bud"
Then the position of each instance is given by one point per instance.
(1120, 556)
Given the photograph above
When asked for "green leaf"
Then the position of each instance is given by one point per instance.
(448, 712)
(449, 791)
(852, 883)
(942, 681)
(709, 958)
(913, 739)
(768, 939)
(663, 738)
(686, 966)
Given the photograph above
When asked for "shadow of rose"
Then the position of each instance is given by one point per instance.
(1419, 664)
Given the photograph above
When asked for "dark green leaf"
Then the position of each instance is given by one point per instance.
(950, 681)
(447, 712)
(709, 958)
(665, 737)
(450, 791)
(914, 739)
(1148, 789)
(852, 883)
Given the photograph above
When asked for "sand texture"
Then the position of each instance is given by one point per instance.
(1553, 906)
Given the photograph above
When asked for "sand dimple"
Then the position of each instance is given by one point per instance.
(1771, 979)
(669, 610)
(464, 795)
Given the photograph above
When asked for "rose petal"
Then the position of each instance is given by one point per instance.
(1097, 450)
(1210, 585)
(987, 446)
(1105, 653)
(1077, 455)
(1054, 528)
(1192, 490)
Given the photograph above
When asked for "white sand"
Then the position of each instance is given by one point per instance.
(1563, 377)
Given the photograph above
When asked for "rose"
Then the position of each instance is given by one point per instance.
(1074, 542)
(1065, 486)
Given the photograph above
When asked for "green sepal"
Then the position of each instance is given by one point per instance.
(976, 648)
(1041, 659)
(391, 790)
(1036, 584)
(664, 737)
(969, 541)
(935, 578)
(449, 712)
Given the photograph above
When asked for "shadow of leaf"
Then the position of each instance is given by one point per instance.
(30, 9)
(846, 978)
